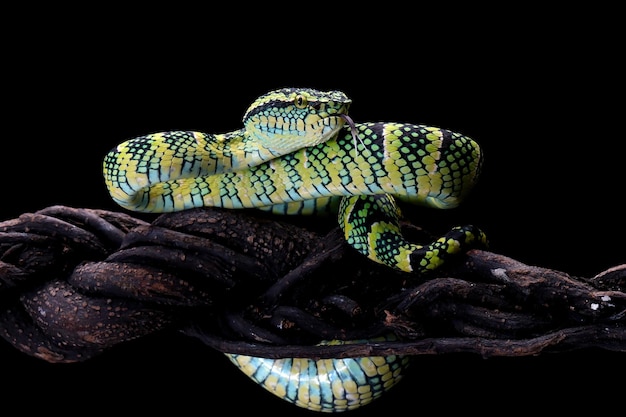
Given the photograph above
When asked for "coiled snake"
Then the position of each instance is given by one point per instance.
(300, 153)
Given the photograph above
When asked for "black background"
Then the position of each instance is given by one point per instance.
(540, 94)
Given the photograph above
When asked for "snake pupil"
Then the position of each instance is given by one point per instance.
(301, 101)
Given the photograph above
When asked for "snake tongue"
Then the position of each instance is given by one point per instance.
(355, 133)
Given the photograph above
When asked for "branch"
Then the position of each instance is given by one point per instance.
(76, 282)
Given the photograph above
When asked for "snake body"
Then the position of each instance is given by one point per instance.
(299, 153)
(326, 385)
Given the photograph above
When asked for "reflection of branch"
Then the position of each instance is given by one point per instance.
(75, 282)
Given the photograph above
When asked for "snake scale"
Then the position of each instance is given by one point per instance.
(299, 153)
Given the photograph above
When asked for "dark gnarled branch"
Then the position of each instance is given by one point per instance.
(76, 282)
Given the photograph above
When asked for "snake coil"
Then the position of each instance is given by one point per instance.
(299, 153)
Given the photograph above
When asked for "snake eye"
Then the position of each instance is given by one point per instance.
(300, 101)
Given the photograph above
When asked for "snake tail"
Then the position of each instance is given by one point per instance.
(379, 236)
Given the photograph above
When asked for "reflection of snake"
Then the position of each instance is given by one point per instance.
(295, 155)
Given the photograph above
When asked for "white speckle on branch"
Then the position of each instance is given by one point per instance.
(500, 273)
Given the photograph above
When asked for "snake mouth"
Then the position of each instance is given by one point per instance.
(331, 125)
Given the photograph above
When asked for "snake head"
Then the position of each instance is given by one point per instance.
(288, 119)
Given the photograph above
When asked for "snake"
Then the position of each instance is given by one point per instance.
(300, 153)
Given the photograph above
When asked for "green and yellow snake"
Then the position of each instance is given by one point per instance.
(300, 153)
